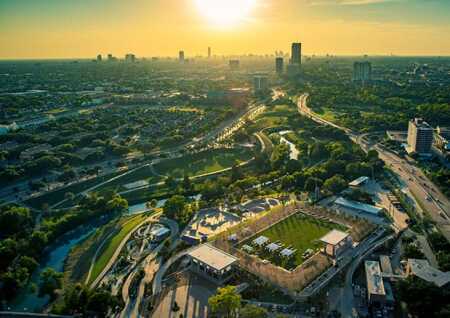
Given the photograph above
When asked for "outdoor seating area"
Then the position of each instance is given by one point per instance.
(274, 252)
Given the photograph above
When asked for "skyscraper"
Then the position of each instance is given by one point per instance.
(260, 83)
(99, 58)
(209, 52)
(130, 57)
(420, 136)
(181, 56)
(296, 53)
(279, 65)
(362, 71)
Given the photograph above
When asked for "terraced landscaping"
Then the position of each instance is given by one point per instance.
(109, 248)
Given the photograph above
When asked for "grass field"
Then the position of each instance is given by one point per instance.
(109, 248)
(203, 162)
(301, 232)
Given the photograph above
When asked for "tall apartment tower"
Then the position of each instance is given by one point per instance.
(209, 52)
(279, 65)
(296, 53)
(181, 56)
(362, 71)
(260, 83)
(420, 136)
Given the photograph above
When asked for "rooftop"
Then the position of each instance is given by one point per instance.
(358, 181)
(334, 237)
(422, 269)
(213, 257)
(358, 205)
(374, 279)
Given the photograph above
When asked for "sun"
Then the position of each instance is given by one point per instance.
(225, 12)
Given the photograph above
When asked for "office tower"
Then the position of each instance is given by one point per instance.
(279, 65)
(234, 65)
(181, 56)
(420, 136)
(362, 71)
(260, 83)
(99, 58)
(130, 57)
(209, 52)
(296, 53)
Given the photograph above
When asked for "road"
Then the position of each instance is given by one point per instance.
(348, 309)
(429, 197)
(150, 264)
(226, 128)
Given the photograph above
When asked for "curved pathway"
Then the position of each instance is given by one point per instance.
(119, 249)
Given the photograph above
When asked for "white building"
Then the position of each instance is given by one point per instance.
(358, 207)
(422, 269)
(336, 243)
(212, 263)
(420, 137)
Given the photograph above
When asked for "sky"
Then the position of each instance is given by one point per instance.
(85, 28)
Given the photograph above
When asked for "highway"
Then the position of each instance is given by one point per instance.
(425, 192)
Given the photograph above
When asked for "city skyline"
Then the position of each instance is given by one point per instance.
(84, 29)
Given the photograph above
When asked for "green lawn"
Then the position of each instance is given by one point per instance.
(203, 162)
(301, 232)
(109, 248)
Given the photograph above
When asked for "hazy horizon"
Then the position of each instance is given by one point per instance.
(49, 29)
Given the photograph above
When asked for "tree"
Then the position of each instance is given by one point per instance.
(335, 184)
(311, 183)
(226, 302)
(170, 182)
(15, 220)
(117, 204)
(187, 185)
(51, 280)
(175, 207)
(252, 311)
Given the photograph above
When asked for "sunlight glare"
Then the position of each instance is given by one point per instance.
(225, 12)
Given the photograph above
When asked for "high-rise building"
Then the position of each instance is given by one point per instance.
(130, 57)
(279, 65)
(234, 65)
(296, 53)
(260, 83)
(110, 57)
(420, 137)
(209, 52)
(99, 58)
(181, 56)
(362, 71)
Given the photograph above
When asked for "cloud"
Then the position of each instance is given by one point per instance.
(349, 2)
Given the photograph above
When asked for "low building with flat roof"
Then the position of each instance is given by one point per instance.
(375, 287)
(358, 206)
(336, 242)
(359, 182)
(422, 269)
(212, 263)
